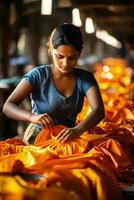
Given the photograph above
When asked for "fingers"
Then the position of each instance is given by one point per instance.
(66, 138)
(61, 133)
(46, 121)
(64, 135)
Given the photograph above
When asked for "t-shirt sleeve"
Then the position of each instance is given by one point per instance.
(33, 77)
(88, 80)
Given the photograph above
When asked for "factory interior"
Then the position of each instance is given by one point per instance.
(99, 163)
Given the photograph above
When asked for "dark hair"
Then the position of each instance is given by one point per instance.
(66, 34)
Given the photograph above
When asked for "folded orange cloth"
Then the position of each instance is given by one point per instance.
(47, 139)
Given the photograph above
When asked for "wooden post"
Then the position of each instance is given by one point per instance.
(5, 38)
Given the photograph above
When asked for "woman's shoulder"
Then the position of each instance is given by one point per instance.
(37, 74)
(86, 80)
(41, 68)
(38, 71)
(86, 76)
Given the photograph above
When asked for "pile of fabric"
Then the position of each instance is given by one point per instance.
(96, 166)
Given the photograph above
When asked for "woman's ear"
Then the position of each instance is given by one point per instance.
(50, 52)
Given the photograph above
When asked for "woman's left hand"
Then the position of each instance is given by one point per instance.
(67, 134)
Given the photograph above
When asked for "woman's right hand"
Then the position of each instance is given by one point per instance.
(42, 119)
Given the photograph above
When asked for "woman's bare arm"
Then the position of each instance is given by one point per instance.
(11, 107)
(97, 110)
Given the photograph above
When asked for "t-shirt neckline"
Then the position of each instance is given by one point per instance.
(54, 86)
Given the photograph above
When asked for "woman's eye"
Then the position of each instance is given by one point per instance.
(58, 56)
(70, 57)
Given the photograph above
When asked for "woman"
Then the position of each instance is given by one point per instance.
(57, 90)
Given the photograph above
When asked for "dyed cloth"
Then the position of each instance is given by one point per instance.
(90, 167)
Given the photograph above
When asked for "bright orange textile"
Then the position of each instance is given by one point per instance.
(47, 139)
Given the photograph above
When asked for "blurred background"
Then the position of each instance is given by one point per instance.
(25, 26)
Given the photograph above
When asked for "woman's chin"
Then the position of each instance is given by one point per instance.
(64, 71)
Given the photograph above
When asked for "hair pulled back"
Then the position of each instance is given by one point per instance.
(66, 34)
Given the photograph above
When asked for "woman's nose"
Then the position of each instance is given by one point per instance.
(65, 62)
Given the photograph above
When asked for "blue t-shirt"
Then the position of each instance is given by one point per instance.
(45, 98)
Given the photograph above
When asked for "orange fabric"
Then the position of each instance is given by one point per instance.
(96, 171)
(15, 188)
(47, 139)
(92, 166)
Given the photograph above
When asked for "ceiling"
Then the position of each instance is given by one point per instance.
(115, 16)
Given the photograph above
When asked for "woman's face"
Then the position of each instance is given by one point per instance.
(65, 58)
